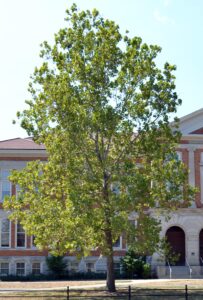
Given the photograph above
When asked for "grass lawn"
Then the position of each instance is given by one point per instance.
(141, 290)
(168, 283)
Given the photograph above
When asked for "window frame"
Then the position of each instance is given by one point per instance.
(92, 270)
(32, 242)
(1, 184)
(71, 266)
(20, 262)
(16, 236)
(179, 155)
(5, 247)
(121, 244)
(4, 262)
(40, 268)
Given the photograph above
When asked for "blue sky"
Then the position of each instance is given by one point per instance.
(175, 25)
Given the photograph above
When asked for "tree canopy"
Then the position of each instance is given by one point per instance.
(102, 108)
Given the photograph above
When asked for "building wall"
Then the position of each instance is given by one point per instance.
(13, 256)
(189, 219)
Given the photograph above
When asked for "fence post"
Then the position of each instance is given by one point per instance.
(186, 292)
(68, 294)
(129, 292)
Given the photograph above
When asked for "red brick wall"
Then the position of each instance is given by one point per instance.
(12, 251)
(185, 157)
(13, 229)
(19, 252)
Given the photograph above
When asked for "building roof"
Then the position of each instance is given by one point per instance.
(191, 125)
(192, 115)
(20, 144)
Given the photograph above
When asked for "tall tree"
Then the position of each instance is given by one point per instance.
(101, 107)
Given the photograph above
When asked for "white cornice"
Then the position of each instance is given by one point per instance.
(191, 115)
(192, 137)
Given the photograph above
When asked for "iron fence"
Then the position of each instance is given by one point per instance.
(130, 293)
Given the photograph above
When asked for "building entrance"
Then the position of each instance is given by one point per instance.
(176, 238)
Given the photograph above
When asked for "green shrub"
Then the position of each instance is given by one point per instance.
(56, 265)
(134, 265)
(146, 272)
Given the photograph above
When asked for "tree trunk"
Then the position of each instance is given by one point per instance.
(110, 280)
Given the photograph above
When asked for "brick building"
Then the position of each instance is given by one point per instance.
(185, 227)
(18, 254)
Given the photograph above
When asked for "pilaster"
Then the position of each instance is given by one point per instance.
(192, 248)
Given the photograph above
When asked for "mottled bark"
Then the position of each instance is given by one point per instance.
(110, 279)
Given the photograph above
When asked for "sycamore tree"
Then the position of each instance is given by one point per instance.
(101, 106)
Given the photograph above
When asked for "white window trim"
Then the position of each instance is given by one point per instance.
(73, 269)
(37, 262)
(32, 246)
(179, 155)
(7, 262)
(1, 181)
(24, 247)
(9, 234)
(90, 262)
(20, 262)
(121, 243)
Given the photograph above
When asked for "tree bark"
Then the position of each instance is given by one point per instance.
(110, 279)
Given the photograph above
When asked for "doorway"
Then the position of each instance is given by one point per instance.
(176, 238)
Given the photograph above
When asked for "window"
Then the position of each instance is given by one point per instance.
(18, 191)
(20, 268)
(36, 268)
(4, 268)
(90, 267)
(74, 266)
(5, 233)
(118, 243)
(179, 155)
(33, 242)
(20, 236)
(5, 185)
